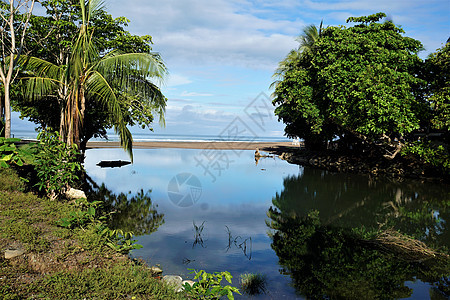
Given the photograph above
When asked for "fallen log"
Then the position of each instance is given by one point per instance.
(113, 163)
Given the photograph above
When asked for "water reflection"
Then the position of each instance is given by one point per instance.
(319, 254)
(346, 200)
(135, 213)
(321, 220)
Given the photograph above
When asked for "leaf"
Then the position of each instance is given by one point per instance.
(91, 211)
(19, 162)
(7, 157)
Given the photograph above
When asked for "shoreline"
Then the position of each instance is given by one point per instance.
(218, 145)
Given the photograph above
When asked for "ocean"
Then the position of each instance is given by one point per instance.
(160, 137)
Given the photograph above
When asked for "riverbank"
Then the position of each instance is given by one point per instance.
(40, 260)
(337, 162)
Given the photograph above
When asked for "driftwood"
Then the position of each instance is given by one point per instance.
(113, 163)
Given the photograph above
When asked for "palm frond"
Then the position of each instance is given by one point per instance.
(84, 54)
(94, 6)
(97, 86)
(308, 38)
(40, 67)
(39, 87)
(144, 64)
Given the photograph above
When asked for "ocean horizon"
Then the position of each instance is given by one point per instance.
(159, 137)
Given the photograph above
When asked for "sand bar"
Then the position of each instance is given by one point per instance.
(264, 146)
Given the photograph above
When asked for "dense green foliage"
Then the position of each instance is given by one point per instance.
(10, 153)
(365, 86)
(57, 165)
(84, 102)
(437, 72)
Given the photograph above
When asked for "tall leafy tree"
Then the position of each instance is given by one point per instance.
(88, 76)
(51, 37)
(437, 68)
(15, 16)
(358, 83)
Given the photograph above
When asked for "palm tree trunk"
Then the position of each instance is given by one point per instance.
(69, 121)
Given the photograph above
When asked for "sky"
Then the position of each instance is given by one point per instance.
(221, 54)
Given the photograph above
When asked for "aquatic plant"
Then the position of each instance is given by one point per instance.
(198, 239)
(208, 286)
(247, 250)
(253, 284)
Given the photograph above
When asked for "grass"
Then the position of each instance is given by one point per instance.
(62, 263)
(253, 284)
(114, 281)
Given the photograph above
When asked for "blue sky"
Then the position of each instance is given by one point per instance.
(221, 54)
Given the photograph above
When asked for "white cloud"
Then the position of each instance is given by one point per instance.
(194, 94)
(224, 32)
(177, 79)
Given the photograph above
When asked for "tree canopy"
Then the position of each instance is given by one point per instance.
(53, 39)
(365, 86)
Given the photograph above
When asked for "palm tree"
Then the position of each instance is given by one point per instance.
(306, 42)
(309, 37)
(89, 76)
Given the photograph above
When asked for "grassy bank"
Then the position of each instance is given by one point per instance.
(62, 263)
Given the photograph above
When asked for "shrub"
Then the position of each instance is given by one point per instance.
(56, 164)
(209, 287)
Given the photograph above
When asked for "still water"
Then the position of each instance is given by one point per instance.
(219, 210)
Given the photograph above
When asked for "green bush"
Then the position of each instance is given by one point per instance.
(10, 154)
(56, 164)
(428, 152)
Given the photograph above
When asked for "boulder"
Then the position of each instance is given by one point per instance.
(73, 194)
(156, 270)
(13, 253)
(174, 281)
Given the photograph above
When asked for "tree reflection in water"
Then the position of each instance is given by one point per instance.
(134, 214)
(322, 236)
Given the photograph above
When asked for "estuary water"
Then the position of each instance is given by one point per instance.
(307, 231)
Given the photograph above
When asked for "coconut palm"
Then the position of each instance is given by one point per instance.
(87, 76)
(309, 37)
(306, 42)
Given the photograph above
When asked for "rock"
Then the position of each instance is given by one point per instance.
(174, 281)
(156, 270)
(13, 253)
(73, 194)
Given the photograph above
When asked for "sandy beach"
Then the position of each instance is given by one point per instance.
(263, 146)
